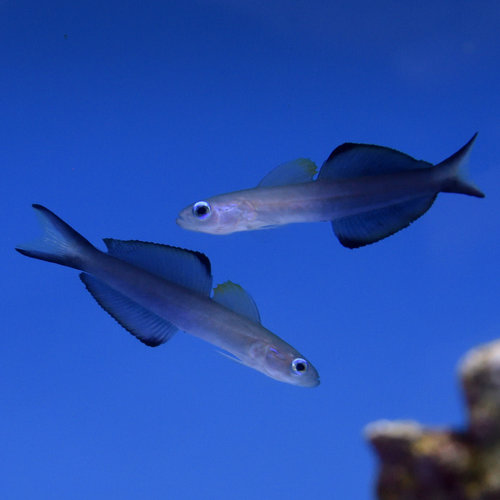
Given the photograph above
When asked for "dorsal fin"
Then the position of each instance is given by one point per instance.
(358, 160)
(235, 297)
(184, 267)
(293, 172)
(148, 327)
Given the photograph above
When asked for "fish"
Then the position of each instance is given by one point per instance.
(154, 290)
(367, 192)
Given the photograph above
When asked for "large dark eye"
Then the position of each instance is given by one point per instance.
(201, 209)
(299, 365)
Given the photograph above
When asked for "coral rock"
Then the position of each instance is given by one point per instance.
(442, 464)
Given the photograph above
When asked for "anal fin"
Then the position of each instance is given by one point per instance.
(358, 230)
(148, 327)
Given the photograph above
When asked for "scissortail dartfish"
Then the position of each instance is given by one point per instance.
(155, 290)
(367, 192)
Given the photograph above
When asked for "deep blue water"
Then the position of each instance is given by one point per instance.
(116, 115)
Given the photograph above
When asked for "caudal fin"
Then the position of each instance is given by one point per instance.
(59, 242)
(455, 166)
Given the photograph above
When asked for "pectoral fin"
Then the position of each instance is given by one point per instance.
(143, 324)
(232, 357)
(359, 230)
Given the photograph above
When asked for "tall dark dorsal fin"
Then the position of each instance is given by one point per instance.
(183, 267)
(352, 160)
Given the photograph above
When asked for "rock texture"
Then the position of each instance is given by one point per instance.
(442, 464)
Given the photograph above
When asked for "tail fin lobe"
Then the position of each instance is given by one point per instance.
(59, 242)
(457, 181)
(462, 186)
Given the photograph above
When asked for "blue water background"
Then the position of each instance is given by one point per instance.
(116, 115)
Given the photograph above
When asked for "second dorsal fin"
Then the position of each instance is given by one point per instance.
(184, 267)
(352, 160)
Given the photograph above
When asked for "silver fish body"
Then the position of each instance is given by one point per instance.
(185, 309)
(319, 201)
(338, 196)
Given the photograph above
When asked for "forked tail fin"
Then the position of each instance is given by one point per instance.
(365, 228)
(59, 242)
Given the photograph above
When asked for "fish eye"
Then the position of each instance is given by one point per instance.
(201, 209)
(299, 365)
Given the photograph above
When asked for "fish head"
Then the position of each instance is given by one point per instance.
(217, 215)
(285, 364)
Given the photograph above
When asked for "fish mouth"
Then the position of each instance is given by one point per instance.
(183, 221)
(309, 382)
(314, 381)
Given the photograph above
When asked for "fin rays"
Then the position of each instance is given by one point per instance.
(149, 328)
(360, 230)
